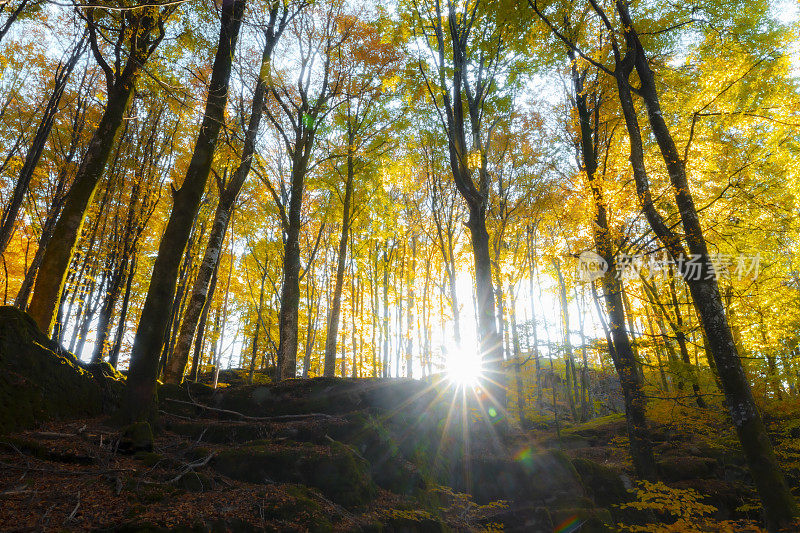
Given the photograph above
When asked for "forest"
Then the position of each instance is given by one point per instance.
(399, 265)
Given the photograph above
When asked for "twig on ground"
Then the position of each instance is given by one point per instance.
(71, 516)
(253, 418)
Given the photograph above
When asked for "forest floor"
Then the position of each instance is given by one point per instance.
(375, 455)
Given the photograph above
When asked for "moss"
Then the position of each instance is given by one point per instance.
(336, 471)
(40, 381)
(136, 437)
(603, 484)
(150, 459)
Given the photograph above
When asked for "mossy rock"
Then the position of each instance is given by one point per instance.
(335, 470)
(389, 467)
(195, 482)
(228, 432)
(136, 437)
(40, 381)
(541, 478)
(681, 468)
(299, 502)
(150, 459)
(604, 485)
(409, 524)
(596, 431)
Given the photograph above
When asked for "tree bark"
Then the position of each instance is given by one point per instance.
(779, 505)
(140, 389)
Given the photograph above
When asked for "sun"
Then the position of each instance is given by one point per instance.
(463, 367)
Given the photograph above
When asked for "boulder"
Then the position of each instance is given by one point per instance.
(40, 381)
(336, 470)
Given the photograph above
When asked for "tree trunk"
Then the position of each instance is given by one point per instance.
(140, 389)
(10, 212)
(336, 303)
(779, 505)
(201, 326)
(290, 292)
(113, 357)
(569, 358)
(410, 313)
(517, 362)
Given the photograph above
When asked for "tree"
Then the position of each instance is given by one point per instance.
(63, 72)
(373, 59)
(468, 50)
(137, 32)
(279, 16)
(591, 139)
(298, 111)
(689, 252)
(143, 371)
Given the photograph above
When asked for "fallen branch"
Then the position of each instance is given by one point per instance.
(247, 417)
(190, 467)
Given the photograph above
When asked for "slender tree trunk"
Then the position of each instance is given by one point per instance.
(140, 389)
(410, 314)
(197, 355)
(116, 281)
(569, 359)
(336, 303)
(517, 362)
(385, 329)
(113, 357)
(10, 212)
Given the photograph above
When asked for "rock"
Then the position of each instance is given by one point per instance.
(602, 484)
(40, 381)
(136, 437)
(336, 470)
(686, 467)
(537, 478)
